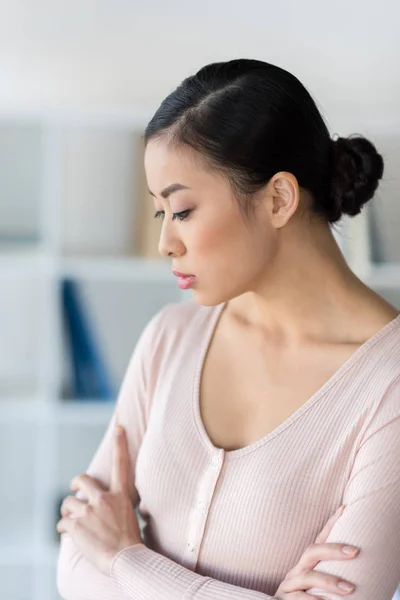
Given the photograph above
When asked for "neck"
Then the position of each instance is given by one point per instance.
(307, 291)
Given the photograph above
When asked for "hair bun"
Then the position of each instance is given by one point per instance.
(357, 168)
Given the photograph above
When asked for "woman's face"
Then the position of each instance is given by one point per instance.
(214, 242)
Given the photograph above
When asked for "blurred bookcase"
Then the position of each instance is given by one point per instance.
(73, 204)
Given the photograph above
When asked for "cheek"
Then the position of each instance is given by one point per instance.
(218, 238)
(227, 249)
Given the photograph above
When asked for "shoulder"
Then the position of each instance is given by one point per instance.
(390, 402)
(178, 321)
(378, 369)
(173, 335)
(384, 418)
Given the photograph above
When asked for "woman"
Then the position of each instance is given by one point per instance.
(272, 397)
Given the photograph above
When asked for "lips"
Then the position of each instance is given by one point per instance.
(185, 281)
(178, 274)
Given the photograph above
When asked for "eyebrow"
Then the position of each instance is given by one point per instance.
(174, 187)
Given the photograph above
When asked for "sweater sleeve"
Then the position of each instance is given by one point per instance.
(77, 578)
(370, 521)
(143, 574)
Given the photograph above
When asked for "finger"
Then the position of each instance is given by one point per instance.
(65, 525)
(317, 553)
(323, 535)
(121, 462)
(309, 579)
(72, 505)
(88, 485)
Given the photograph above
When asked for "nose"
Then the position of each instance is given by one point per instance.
(169, 244)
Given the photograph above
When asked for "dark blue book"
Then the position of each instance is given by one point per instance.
(90, 377)
(82, 387)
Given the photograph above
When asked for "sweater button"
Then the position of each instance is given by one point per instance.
(190, 547)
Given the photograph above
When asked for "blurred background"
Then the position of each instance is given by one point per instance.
(80, 275)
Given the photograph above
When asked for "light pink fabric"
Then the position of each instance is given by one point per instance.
(230, 525)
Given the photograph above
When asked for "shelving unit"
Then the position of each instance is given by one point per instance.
(68, 209)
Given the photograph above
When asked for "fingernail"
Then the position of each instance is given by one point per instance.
(343, 585)
(350, 550)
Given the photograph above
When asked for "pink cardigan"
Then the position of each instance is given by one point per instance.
(230, 525)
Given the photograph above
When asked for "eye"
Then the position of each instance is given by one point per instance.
(181, 215)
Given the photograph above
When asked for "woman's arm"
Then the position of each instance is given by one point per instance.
(142, 574)
(370, 521)
(77, 578)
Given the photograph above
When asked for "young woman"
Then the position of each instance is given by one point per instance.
(255, 409)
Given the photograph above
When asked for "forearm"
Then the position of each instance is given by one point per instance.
(142, 574)
(78, 579)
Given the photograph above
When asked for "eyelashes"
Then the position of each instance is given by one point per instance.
(181, 215)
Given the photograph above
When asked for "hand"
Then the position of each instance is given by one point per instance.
(107, 523)
(302, 577)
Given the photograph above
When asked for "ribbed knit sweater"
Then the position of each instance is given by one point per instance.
(229, 525)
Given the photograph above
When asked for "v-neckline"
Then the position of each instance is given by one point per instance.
(321, 391)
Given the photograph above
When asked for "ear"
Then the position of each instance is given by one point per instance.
(285, 194)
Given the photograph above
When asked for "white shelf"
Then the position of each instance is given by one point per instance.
(17, 554)
(108, 268)
(28, 554)
(23, 409)
(385, 275)
(60, 434)
(56, 240)
(18, 251)
(86, 412)
(71, 412)
(24, 261)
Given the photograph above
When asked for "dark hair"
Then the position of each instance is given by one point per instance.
(250, 119)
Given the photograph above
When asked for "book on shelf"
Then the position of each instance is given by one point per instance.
(90, 376)
(147, 228)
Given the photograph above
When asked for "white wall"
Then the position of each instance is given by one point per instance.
(107, 52)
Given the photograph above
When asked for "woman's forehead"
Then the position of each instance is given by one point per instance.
(166, 165)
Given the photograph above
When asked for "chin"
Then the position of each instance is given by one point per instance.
(204, 301)
(209, 299)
